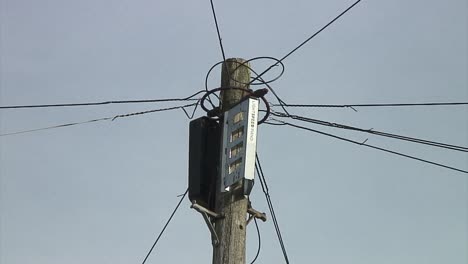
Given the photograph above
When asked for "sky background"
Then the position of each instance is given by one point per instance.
(101, 192)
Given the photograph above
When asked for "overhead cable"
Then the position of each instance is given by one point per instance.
(217, 30)
(373, 105)
(221, 46)
(165, 226)
(373, 147)
(104, 119)
(189, 98)
(258, 168)
(308, 39)
(261, 81)
(373, 132)
(57, 126)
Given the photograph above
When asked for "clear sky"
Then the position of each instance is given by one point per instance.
(101, 192)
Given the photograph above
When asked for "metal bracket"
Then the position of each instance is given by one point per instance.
(255, 214)
(206, 216)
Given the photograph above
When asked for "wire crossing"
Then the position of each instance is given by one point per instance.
(258, 168)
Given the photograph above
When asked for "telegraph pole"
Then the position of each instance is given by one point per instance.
(233, 205)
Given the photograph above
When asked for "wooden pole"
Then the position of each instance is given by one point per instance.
(231, 229)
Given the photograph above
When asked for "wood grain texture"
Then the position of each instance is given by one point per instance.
(232, 228)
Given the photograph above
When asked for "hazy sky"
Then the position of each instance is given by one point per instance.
(101, 192)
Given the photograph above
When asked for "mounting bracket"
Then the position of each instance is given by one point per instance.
(255, 214)
(206, 216)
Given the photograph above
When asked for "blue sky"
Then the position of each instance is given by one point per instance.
(101, 192)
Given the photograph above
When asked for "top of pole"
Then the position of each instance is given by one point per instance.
(234, 73)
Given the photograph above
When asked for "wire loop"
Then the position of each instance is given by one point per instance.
(260, 92)
(262, 82)
(278, 62)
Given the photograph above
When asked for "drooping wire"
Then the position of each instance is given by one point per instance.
(373, 132)
(193, 111)
(155, 110)
(259, 170)
(373, 147)
(189, 98)
(259, 241)
(165, 226)
(105, 119)
(273, 124)
(375, 105)
(308, 39)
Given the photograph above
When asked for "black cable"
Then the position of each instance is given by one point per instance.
(102, 119)
(320, 30)
(164, 228)
(374, 132)
(219, 89)
(57, 126)
(374, 147)
(244, 64)
(251, 93)
(258, 76)
(193, 112)
(308, 39)
(259, 242)
(154, 111)
(375, 105)
(207, 76)
(273, 124)
(189, 98)
(258, 168)
(217, 30)
(267, 83)
(261, 80)
(220, 45)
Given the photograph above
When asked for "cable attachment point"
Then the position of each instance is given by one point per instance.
(209, 221)
(215, 112)
(260, 92)
(255, 214)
